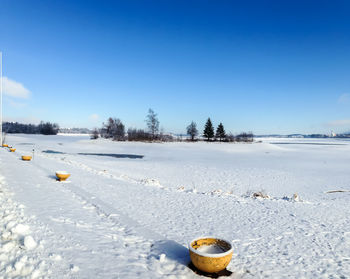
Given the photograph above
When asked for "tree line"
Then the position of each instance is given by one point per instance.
(115, 129)
(218, 135)
(45, 128)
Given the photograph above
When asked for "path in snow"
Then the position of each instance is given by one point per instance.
(91, 235)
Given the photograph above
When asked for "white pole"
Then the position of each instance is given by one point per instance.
(1, 98)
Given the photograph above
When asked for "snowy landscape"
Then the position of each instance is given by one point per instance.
(129, 209)
(174, 139)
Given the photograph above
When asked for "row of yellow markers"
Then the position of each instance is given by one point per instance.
(61, 175)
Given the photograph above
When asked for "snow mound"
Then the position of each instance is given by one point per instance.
(29, 242)
(151, 182)
(19, 255)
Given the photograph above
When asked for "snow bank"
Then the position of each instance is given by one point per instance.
(19, 254)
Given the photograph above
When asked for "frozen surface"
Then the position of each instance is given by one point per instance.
(128, 209)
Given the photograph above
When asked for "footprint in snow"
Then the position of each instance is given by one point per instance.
(74, 268)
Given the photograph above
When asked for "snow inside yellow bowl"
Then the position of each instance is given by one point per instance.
(210, 254)
(26, 158)
(12, 149)
(62, 175)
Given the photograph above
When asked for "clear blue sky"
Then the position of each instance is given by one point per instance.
(261, 66)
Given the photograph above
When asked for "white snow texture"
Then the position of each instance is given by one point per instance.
(282, 203)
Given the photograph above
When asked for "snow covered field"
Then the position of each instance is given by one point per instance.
(122, 216)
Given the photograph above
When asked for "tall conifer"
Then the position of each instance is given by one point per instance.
(220, 132)
(208, 130)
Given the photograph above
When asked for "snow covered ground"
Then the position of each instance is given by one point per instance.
(129, 209)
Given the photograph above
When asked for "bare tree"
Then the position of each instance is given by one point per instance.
(152, 123)
(114, 129)
(109, 127)
(119, 132)
(192, 130)
(230, 137)
(245, 137)
(95, 134)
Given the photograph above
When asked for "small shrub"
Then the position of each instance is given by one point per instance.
(95, 134)
(139, 135)
(245, 137)
(261, 194)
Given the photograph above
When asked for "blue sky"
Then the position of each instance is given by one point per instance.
(261, 66)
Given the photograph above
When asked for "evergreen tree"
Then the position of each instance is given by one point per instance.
(43, 128)
(192, 130)
(220, 132)
(48, 128)
(208, 130)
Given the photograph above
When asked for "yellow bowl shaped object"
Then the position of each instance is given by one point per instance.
(12, 149)
(5, 145)
(62, 175)
(210, 254)
(26, 158)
